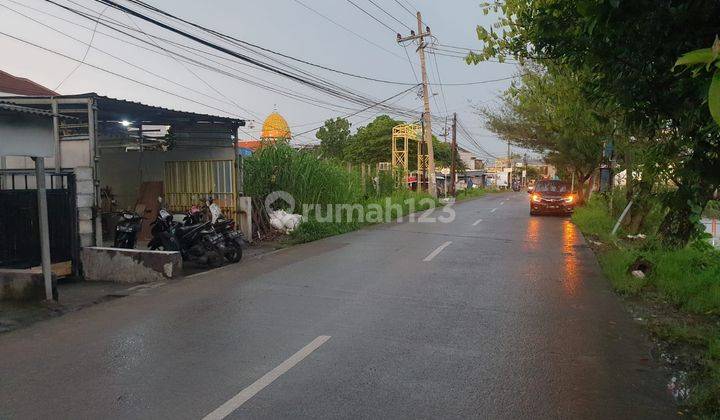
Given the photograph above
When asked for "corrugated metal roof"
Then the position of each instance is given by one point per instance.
(4, 106)
(113, 109)
(21, 86)
(131, 109)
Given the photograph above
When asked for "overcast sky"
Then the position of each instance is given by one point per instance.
(281, 25)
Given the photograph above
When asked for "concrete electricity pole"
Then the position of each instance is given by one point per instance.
(453, 147)
(427, 118)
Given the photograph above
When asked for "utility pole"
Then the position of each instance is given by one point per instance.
(509, 173)
(509, 160)
(427, 119)
(453, 146)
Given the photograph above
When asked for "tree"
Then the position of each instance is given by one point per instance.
(706, 59)
(371, 144)
(443, 155)
(630, 48)
(546, 111)
(334, 137)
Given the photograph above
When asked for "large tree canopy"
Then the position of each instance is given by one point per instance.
(630, 48)
(546, 111)
(334, 137)
(371, 143)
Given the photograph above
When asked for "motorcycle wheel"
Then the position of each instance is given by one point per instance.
(122, 241)
(233, 253)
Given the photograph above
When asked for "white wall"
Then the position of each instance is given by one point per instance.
(26, 135)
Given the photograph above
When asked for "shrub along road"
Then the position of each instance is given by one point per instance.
(493, 315)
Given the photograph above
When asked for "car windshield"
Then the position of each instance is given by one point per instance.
(559, 187)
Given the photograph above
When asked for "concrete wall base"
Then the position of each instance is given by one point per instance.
(130, 265)
(23, 285)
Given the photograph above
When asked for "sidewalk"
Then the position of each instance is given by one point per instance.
(76, 295)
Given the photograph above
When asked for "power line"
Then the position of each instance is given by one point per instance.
(330, 88)
(389, 14)
(412, 67)
(116, 74)
(318, 84)
(372, 106)
(405, 8)
(467, 133)
(347, 29)
(413, 14)
(87, 50)
(274, 52)
(442, 91)
(372, 16)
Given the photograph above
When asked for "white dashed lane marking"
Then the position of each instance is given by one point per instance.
(437, 251)
(241, 398)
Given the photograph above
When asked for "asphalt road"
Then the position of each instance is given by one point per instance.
(495, 315)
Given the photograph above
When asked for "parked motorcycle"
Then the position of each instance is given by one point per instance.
(194, 216)
(516, 186)
(233, 239)
(196, 242)
(127, 229)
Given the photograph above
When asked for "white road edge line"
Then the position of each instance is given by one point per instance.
(437, 251)
(477, 222)
(235, 402)
(493, 210)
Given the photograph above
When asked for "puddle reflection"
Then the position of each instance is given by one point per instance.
(571, 278)
(532, 234)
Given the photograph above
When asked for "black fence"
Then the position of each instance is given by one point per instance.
(19, 225)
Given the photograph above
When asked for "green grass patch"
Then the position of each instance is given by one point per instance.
(615, 264)
(594, 218)
(687, 279)
(398, 204)
(470, 193)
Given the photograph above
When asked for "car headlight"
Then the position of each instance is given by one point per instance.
(535, 198)
(569, 199)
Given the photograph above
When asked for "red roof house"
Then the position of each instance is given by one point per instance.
(18, 86)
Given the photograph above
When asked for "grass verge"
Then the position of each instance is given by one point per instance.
(376, 210)
(680, 296)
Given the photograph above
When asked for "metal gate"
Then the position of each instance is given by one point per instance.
(19, 230)
(190, 182)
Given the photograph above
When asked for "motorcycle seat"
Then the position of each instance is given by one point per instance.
(184, 230)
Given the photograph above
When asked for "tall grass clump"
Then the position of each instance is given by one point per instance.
(315, 181)
(309, 179)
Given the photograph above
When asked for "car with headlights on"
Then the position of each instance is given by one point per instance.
(552, 197)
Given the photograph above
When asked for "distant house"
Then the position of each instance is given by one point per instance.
(545, 170)
(472, 162)
(19, 86)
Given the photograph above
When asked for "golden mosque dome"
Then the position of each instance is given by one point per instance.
(275, 127)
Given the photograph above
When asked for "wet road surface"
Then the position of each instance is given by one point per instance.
(494, 315)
